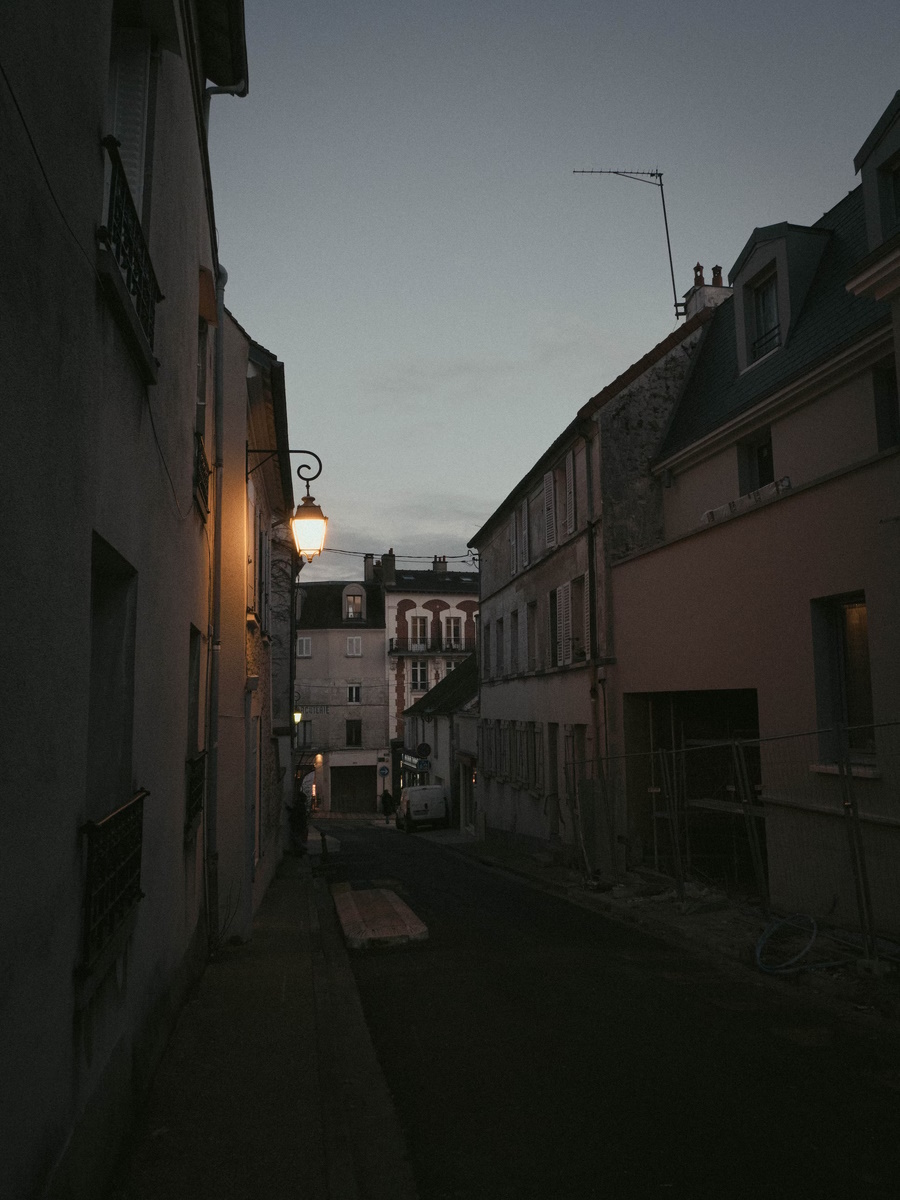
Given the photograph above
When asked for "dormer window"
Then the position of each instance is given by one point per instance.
(354, 606)
(766, 329)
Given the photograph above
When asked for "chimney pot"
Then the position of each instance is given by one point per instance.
(699, 281)
(717, 277)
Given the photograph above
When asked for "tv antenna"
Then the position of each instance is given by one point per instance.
(655, 179)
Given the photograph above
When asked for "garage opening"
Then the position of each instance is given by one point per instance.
(354, 789)
(692, 767)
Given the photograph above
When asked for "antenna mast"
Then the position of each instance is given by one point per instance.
(655, 179)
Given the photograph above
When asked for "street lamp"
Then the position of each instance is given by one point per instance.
(308, 523)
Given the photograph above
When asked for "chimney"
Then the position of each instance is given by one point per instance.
(439, 564)
(368, 568)
(703, 294)
(388, 568)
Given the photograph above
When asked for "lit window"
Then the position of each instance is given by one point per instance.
(353, 610)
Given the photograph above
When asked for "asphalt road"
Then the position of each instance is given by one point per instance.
(536, 1049)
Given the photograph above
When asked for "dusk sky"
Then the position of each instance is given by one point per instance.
(401, 225)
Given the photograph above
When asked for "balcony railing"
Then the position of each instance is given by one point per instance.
(433, 645)
(195, 788)
(123, 235)
(113, 874)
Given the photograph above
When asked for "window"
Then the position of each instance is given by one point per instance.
(887, 412)
(304, 647)
(419, 674)
(418, 633)
(549, 510)
(354, 692)
(486, 651)
(513, 543)
(523, 533)
(111, 703)
(453, 633)
(354, 647)
(531, 635)
(449, 665)
(756, 467)
(499, 648)
(514, 643)
(304, 733)
(570, 492)
(353, 606)
(561, 625)
(580, 620)
(766, 329)
(843, 676)
(353, 733)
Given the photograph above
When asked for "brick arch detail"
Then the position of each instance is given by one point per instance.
(405, 606)
(436, 607)
(470, 608)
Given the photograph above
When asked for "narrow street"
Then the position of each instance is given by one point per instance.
(534, 1049)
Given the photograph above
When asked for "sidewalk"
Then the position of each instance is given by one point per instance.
(270, 1085)
(724, 929)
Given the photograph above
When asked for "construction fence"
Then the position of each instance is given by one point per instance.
(808, 823)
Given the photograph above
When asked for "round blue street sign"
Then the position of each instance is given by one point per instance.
(382, 771)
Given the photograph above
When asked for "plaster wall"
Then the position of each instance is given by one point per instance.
(87, 449)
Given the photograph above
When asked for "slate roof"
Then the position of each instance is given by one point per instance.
(434, 582)
(830, 320)
(457, 689)
(321, 606)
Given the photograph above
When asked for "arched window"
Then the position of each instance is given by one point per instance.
(353, 604)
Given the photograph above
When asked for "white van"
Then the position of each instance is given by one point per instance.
(426, 804)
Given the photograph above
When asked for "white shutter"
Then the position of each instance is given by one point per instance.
(523, 521)
(570, 492)
(549, 509)
(564, 621)
(129, 83)
(513, 544)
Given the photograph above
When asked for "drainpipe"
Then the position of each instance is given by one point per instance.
(212, 780)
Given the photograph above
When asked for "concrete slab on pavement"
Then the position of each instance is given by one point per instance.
(375, 917)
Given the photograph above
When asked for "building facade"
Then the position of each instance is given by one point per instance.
(731, 708)
(116, 466)
(444, 720)
(340, 695)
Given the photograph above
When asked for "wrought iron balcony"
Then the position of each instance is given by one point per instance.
(113, 874)
(433, 645)
(123, 239)
(201, 475)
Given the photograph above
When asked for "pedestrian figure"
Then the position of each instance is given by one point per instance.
(387, 805)
(298, 825)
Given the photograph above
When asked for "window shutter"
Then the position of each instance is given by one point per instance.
(570, 492)
(523, 522)
(586, 605)
(513, 544)
(564, 622)
(549, 509)
(251, 556)
(129, 83)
